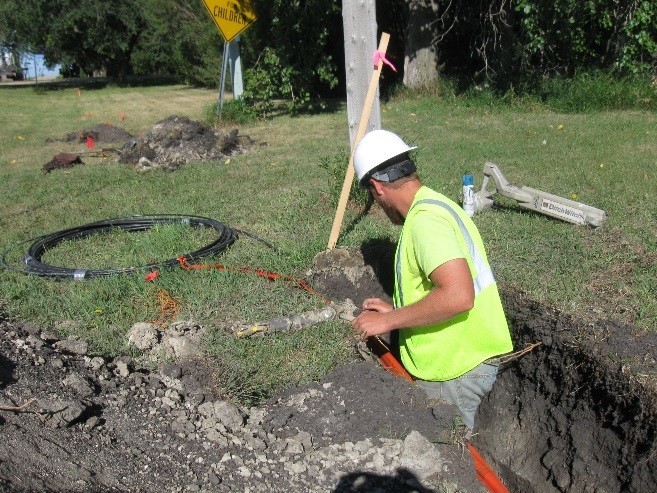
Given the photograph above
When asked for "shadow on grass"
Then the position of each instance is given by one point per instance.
(349, 227)
(92, 83)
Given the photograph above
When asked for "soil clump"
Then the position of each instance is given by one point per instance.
(62, 160)
(101, 133)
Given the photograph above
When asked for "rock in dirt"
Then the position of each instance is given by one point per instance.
(72, 346)
(144, 335)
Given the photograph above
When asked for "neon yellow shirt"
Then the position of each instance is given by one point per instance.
(435, 231)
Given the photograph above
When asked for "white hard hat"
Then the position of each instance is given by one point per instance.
(377, 148)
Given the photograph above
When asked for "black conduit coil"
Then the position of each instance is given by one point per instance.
(32, 260)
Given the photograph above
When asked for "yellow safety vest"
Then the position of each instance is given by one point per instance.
(448, 350)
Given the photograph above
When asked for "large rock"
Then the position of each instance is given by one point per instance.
(143, 335)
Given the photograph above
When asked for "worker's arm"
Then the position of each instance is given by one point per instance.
(452, 294)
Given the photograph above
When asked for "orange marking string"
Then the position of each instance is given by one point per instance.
(386, 358)
(272, 276)
(168, 307)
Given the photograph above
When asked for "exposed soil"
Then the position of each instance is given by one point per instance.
(579, 413)
(97, 425)
(177, 140)
(170, 143)
(103, 133)
(575, 414)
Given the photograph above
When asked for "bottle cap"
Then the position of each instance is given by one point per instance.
(468, 180)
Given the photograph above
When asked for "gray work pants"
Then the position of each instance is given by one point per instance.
(464, 392)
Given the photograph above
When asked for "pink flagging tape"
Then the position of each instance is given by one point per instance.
(379, 55)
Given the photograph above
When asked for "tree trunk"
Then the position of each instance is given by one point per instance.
(360, 43)
(421, 56)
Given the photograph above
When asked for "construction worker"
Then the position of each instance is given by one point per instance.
(447, 308)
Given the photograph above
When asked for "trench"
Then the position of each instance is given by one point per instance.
(577, 414)
(573, 415)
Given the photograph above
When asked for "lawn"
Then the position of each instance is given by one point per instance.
(281, 192)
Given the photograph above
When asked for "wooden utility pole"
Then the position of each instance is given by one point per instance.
(359, 22)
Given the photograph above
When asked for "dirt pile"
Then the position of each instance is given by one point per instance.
(170, 143)
(178, 140)
(101, 133)
(82, 423)
(353, 274)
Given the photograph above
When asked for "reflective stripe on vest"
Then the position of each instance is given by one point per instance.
(484, 274)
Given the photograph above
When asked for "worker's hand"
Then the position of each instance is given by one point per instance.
(377, 305)
(373, 320)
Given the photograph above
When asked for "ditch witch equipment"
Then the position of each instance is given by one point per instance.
(536, 200)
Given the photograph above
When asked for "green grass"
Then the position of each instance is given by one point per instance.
(284, 192)
(122, 249)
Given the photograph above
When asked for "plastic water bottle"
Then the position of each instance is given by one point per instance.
(468, 195)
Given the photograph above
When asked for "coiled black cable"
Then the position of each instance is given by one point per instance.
(32, 263)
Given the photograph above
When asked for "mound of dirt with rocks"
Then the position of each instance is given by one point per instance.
(177, 140)
(170, 143)
(71, 422)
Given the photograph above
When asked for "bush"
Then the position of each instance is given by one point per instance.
(234, 111)
(598, 91)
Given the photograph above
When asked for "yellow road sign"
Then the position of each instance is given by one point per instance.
(231, 16)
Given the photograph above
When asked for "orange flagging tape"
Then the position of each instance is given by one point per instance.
(272, 276)
(485, 473)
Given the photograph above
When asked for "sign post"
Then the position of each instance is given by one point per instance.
(222, 80)
(236, 67)
(231, 17)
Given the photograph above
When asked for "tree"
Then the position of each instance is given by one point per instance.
(179, 39)
(93, 34)
(16, 27)
(564, 36)
(421, 55)
(290, 52)
(90, 34)
(505, 41)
